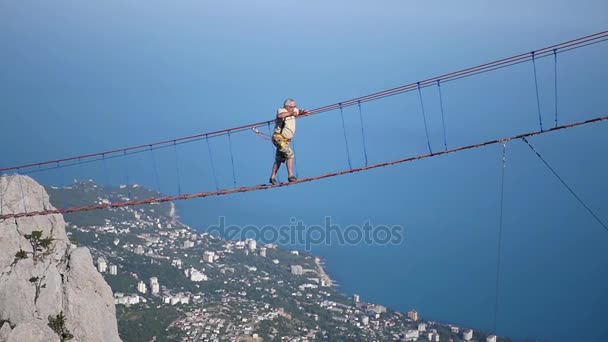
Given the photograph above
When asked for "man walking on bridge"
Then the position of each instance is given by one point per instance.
(284, 130)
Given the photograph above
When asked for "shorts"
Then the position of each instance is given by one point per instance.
(284, 151)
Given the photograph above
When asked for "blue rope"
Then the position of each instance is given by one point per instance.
(540, 119)
(179, 184)
(555, 74)
(22, 193)
(428, 141)
(155, 169)
(2, 195)
(211, 163)
(231, 159)
(345, 138)
(445, 140)
(566, 185)
(295, 162)
(105, 167)
(362, 132)
(127, 173)
(500, 224)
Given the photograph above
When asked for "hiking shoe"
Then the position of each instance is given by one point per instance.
(292, 179)
(273, 181)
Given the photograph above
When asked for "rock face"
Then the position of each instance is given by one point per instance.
(56, 278)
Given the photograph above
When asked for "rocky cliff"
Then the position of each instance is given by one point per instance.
(49, 289)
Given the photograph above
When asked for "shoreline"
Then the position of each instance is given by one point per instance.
(322, 274)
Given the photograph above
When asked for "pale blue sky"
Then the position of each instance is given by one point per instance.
(80, 77)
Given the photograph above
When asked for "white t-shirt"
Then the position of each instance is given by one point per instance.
(289, 130)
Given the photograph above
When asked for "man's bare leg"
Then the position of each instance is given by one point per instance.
(275, 169)
(289, 163)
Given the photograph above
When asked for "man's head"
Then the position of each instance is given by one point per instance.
(289, 104)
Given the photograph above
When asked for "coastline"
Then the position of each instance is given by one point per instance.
(322, 274)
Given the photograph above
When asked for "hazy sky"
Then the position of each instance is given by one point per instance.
(79, 77)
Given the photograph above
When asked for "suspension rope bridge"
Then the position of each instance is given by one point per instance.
(483, 68)
(533, 56)
(160, 199)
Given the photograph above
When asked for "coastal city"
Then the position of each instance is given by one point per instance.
(171, 282)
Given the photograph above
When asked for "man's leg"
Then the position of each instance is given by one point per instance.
(289, 163)
(275, 168)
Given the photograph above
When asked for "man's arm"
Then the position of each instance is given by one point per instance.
(285, 114)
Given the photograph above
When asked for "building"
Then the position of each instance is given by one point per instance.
(196, 275)
(102, 266)
(154, 285)
(454, 329)
(141, 287)
(263, 251)
(422, 327)
(113, 270)
(356, 298)
(412, 335)
(296, 269)
(177, 263)
(467, 335)
(252, 244)
(139, 249)
(188, 244)
(413, 315)
(208, 256)
(491, 338)
(365, 320)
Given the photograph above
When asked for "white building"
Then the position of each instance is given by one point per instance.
(113, 270)
(412, 335)
(139, 249)
(208, 256)
(468, 335)
(296, 269)
(154, 285)
(422, 327)
(263, 251)
(196, 275)
(252, 244)
(454, 329)
(356, 298)
(177, 263)
(102, 266)
(141, 287)
(365, 320)
(188, 244)
(491, 338)
(295, 252)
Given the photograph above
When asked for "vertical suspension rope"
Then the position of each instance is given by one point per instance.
(428, 141)
(124, 154)
(179, 184)
(232, 159)
(2, 194)
(500, 223)
(540, 119)
(295, 161)
(555, 81)
(155, 169)
(362, 131)
(445, 140)
(22, 193)
(105, 166)
(211, 163)
(345, 138)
